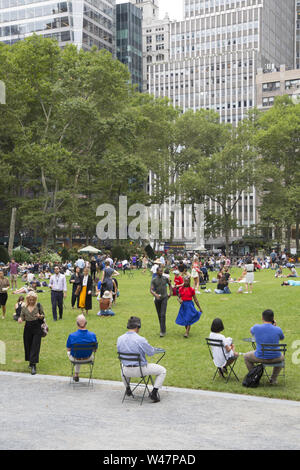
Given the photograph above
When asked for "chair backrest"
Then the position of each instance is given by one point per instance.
(215, 343)
(282, 348)
(92, 347)
(129, 357)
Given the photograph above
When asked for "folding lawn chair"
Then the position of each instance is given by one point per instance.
(282, 348)
(143, 379)
(89, 361)
(218, 343)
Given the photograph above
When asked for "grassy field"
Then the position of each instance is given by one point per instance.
(187, 361)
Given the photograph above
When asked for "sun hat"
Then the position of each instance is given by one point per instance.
(106, 295)
(157, 261)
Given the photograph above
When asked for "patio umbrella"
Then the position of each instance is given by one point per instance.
(89, 249)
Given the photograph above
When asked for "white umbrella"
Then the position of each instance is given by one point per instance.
(89, 249)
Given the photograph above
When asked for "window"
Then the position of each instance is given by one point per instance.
(271, 86)
(292, 84)
(268, 101)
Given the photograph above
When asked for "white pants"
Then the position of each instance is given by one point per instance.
(149, 369)
(77, 366)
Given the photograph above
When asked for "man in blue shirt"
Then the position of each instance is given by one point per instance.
(132, 343)
(81, 337)
(267, 333)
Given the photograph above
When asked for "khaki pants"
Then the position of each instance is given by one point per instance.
(77, 366)
(250, 361)
(149, 369)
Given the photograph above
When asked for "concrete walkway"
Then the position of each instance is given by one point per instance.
(46, 412)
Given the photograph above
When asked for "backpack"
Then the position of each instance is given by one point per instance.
(253, 377)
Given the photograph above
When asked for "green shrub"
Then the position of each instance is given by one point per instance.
(21, 256)
(4, 257)
(118, 252)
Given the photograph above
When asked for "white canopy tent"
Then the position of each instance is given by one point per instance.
(89, 249)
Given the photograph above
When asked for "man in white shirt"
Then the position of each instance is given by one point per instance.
(58, 286)
(132, 343)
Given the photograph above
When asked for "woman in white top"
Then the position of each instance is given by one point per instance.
(222, 356)
(249, 269)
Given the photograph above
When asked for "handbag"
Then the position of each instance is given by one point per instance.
(44, 326)
(78, 290)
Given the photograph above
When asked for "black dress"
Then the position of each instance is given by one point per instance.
(78, 280)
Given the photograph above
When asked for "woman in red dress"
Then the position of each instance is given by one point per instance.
(187, 315)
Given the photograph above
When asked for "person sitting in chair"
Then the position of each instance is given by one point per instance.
(132, 343)
(222, 360)
(267, 333)
(81, 337)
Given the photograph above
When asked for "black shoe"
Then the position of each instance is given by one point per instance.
(154, 397)
(33, 370)
(76, 378)
(128, 392)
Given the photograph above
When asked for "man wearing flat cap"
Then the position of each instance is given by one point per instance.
(132, 343)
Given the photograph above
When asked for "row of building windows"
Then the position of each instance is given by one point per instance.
(230, 29)
(207, 46)
(34, 12)
(97, 31)
(272, 86)
(97, 17)
(203, 67)
(34, 26)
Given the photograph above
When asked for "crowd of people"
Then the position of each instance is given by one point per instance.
(182, 278)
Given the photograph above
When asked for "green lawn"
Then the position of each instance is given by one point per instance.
(187, 361)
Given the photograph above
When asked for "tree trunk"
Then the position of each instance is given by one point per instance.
(12, 231)
(288, 238)
(297, 234)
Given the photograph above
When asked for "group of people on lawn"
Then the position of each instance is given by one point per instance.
(132, 342)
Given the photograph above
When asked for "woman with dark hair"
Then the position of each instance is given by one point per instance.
(187, 315)
(222, 287)
(76, 280)
(4, 286)
(218, 356)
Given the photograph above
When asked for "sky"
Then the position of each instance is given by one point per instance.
(173, 7)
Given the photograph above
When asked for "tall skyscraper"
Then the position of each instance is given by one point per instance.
(156, 35)
(83, 22)
(216, 50)
(214, 56)
(297, 35)
(129, 41)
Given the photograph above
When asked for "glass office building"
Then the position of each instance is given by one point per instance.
(129, 41)
(84, 23)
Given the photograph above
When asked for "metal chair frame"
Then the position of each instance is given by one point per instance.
(90, 363)
(268, 347)
(219, 344)
(144, 379)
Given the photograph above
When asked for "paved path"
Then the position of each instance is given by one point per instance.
(63, 416)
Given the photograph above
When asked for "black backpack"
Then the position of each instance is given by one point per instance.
(253, 377)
